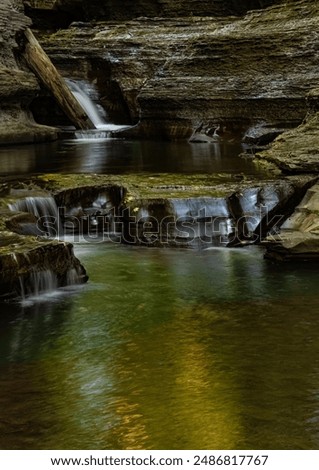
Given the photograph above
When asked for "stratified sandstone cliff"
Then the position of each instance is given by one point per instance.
(174, 74)
(18, 86)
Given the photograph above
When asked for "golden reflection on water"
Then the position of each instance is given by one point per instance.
(166, 352)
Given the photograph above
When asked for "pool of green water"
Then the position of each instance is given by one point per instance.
(165, 349)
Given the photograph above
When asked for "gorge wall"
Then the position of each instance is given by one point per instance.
(169, 67)
(173, 73)
(18, 86)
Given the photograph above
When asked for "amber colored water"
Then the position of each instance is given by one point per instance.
(165, 349)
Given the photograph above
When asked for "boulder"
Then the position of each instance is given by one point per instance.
(298, 238)
(297, 150)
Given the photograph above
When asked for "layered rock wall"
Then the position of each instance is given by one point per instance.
(176, 74)
(18, 86)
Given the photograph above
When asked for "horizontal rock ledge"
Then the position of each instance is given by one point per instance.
(24, 258)
(133, 206)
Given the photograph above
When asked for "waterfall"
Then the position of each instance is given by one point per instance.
(40, 284)
(205, 219)
(42, 281)
(46, 212)
(36, 284)
(83, 91)
(194, 221)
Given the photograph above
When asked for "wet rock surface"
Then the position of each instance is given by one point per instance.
(18, 86)
(173, 209)
(23, 259)
(296, 151)
(175, 73)
(29, 260)
(299, 235)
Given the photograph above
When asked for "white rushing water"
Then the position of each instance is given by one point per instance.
(46, 212)
(40, 283)
(84, 92)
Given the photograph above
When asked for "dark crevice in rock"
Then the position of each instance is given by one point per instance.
(126, 10)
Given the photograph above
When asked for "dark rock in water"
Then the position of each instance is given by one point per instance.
(298, 238)
(24, 224)
(206, 135)
(199, 138)
(89, 209)
(261, 135)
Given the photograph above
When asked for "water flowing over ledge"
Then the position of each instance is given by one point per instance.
(112, 209)
(37, 267)
(82, 91)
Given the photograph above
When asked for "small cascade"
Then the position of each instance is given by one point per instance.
(46, 213)
(187, 222)
(37, 283)
(43, 281)
(72, 277)
(87, 96)
(204, 220)
(82, 93)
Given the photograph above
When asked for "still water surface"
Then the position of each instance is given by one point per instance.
(162, 349)
(166, 349)
(122, 156)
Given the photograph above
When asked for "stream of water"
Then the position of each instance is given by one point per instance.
(163, 348)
